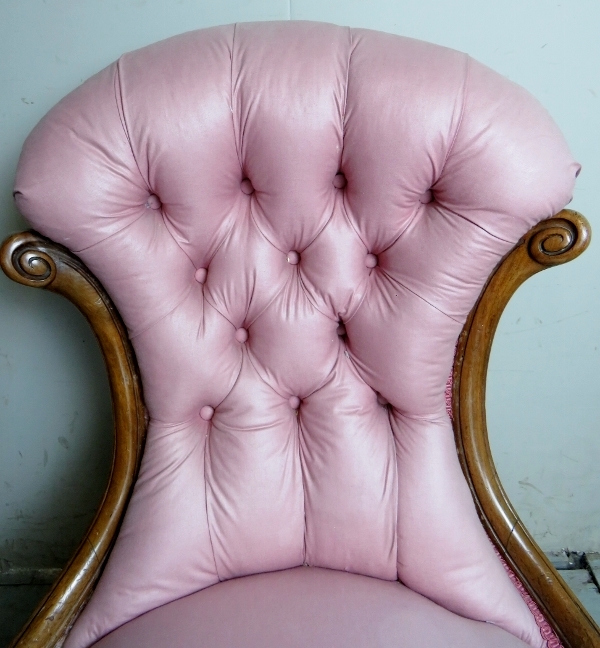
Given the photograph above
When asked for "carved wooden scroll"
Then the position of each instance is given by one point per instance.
(33, 260)
(551, 242)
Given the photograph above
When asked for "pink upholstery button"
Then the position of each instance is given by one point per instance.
(294, 402)
(371, 260)
(341, 330)
(246, 186)
(293, 257)
(381, 400)
(153, 202)
(426, 197)
(241, 335)
(339, 180)
(200, 275)
(207, 412)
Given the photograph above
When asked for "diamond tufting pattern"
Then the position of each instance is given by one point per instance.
(294, 220)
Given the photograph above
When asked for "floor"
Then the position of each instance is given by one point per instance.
(18, 601)
(581, 572)
(16, 604)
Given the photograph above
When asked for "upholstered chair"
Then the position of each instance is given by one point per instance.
(295, 221)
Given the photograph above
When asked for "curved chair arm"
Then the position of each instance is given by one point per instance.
(551, 242)
(34, 260)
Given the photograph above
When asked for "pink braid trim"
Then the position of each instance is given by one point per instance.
(552, 641)
(545, 629)
(448, 396)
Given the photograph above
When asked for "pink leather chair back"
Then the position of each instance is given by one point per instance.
(294, 220)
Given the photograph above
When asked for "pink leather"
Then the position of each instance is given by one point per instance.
(294, 220)
(306, 606)
(548, 634)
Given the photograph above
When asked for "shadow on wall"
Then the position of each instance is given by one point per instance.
(56, 421)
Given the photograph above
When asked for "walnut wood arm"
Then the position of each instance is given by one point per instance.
(552, 242)
(33, 260)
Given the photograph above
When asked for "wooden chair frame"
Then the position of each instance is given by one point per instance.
(34, 260)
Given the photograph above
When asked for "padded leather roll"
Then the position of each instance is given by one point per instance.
(306, 607)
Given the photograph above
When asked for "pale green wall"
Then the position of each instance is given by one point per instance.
(544, 400)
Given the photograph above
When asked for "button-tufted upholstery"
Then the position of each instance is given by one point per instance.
(294, 220)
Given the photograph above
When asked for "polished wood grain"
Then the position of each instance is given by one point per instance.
(33, 260)
(550, 243)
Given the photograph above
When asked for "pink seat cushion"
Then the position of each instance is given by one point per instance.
(306, 607)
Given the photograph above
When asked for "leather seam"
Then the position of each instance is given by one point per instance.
(106, 238)
(206, 487)
(416, 294)
(123, 118)
(495, 236)
(351, 224)
(328, 378)
(347, 217)
(261, 378)
(167, 222)
(321, 229)
(275, 296)
(301, 250)
(346, 86)
(413, 218)
(262, 233)
(237, 147)
(209, 301)
(301, 280)
(394, 454)
(235, 382)
(465, 90)
(303, 477)
(162, 317)
(206, 459)
(437, 419)
(308, 296)
(350, 51)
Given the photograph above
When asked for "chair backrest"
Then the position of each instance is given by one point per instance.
(294, 220)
